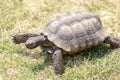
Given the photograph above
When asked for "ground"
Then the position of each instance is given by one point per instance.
(22, 16)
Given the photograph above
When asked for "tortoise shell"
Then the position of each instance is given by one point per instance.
(76, 31)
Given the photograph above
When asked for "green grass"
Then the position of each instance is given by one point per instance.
(19, 63)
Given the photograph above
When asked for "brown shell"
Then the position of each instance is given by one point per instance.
(75, 32)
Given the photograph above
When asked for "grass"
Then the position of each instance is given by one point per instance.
(19, 63)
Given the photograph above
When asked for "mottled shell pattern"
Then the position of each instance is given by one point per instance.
(75, 32)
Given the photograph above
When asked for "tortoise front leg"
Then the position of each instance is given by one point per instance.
(58, 62)
(22, 38)
(114, 42)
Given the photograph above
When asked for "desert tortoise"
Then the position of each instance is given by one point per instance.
(68, 34)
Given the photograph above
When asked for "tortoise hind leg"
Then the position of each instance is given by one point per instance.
(114, 42)
(58, 62)
(21, 38)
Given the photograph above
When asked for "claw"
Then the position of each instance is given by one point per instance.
(14, 40)
(115, 43)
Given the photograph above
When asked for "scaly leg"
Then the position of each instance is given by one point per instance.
(114, 42)
(58, 62)
(22, 38)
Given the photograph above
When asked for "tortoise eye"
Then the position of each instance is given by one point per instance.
(41, 34)
(45, 36)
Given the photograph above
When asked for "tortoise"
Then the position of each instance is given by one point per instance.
(68, 34)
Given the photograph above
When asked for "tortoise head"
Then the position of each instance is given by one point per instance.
(34, 42)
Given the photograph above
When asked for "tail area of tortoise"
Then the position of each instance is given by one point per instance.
(113, 41)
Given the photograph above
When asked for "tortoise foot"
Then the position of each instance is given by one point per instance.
(114, 42)
(58, 62)
(19, 38)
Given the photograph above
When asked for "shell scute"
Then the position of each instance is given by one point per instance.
(78, 29)
(65, 33)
